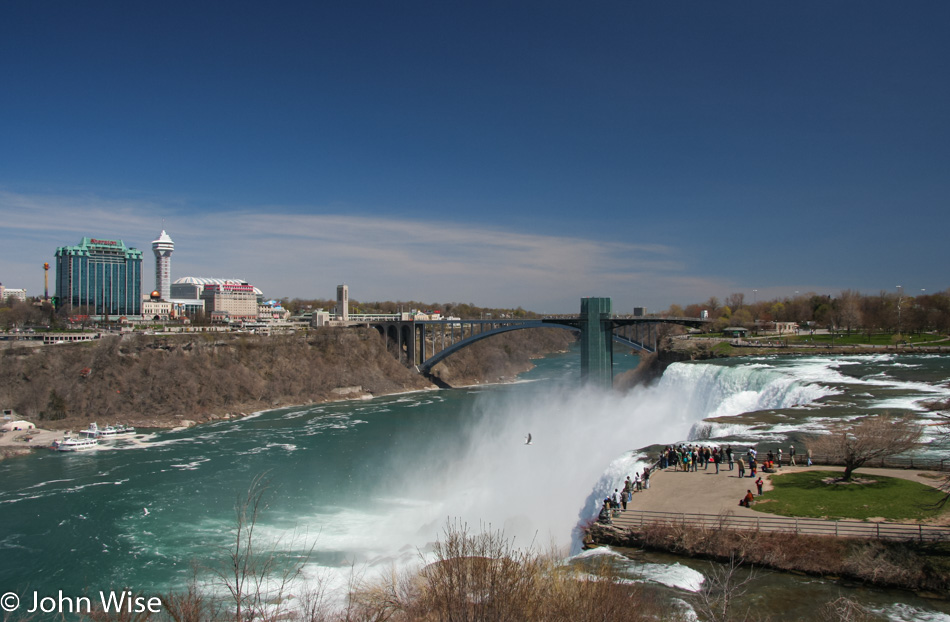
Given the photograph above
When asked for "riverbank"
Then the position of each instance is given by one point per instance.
(21, 443)
(699, 348)
(907, 565)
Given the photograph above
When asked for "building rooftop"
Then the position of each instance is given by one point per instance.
(164, 240)
(194, 280)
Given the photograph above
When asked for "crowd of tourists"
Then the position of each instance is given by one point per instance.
(618, 500)
(694, 457)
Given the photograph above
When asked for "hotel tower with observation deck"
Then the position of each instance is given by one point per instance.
(163, 248)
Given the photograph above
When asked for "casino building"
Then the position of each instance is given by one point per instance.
(103, 276)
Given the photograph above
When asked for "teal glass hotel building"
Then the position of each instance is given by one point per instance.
(99, 277)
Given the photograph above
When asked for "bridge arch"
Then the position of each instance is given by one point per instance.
(427, 365)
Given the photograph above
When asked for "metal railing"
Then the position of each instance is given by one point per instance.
(641, 519)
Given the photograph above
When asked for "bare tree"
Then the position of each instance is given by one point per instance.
(194, 605)
(944, 430)
(253, 573)
(850, 309)
(869, 439)
(735, 301)
(722, 588)
(843, 609)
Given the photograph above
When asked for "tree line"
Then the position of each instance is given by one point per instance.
(850, 310)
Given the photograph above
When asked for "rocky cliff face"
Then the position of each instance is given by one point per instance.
(153, 380)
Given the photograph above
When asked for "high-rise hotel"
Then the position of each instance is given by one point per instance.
(104, 277)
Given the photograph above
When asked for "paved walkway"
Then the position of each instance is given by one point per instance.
(705, 492)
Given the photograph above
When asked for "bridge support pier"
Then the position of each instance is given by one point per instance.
(597, 349)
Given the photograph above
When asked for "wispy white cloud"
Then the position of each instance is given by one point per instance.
(287, 253)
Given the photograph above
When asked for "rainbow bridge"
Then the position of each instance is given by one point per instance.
(423, 343)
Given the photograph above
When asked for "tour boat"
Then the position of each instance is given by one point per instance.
(121, 429)
(76, 444)
(107, 433)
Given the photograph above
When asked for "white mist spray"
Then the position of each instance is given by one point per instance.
(534, 492)
(539, 492)
(584, 445)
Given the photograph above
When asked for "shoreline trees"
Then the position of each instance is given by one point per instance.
(888, 312)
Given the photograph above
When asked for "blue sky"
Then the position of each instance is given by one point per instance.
(502, 153)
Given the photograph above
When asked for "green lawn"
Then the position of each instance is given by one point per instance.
(723, 349)
(856, 339)
(806, 494)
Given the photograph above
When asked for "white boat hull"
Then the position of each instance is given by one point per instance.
(73, 445)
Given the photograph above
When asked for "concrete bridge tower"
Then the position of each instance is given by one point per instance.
(597, 350)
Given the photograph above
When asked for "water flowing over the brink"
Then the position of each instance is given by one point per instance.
(686, 394)
(718, 391)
